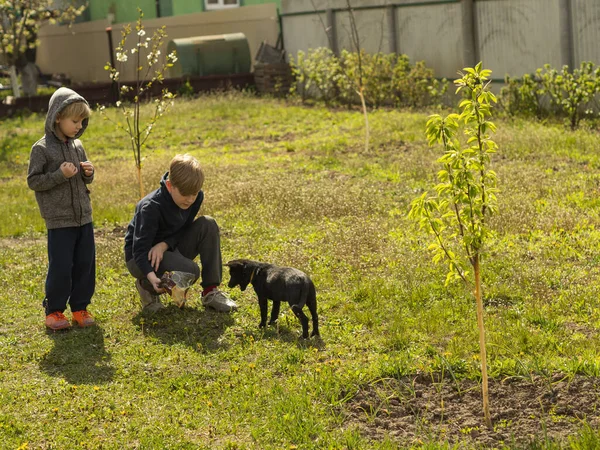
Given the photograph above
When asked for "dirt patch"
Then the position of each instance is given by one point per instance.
(420, 409)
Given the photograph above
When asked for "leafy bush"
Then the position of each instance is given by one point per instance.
(574, 91)
(416, 86)
(387, 79)
(315, 73)
(552, 93)
(524, 96)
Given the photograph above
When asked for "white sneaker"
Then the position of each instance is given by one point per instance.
(219, 301)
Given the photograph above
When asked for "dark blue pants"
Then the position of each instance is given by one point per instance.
(71, 268)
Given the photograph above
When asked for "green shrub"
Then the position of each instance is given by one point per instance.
(567, 93)
(524, 96)
(316, 71)
(387, 78)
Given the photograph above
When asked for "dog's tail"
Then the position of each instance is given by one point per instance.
(305, 291)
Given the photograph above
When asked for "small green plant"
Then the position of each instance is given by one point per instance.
(186, 90)
(458, 214)
(148, 71)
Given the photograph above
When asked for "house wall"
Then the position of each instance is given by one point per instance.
(510, 36)
(126, 11)
(82, 51)
(123, 11)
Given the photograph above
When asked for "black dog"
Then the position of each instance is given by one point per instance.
(278, 284)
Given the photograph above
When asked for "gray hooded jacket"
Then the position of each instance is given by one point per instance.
(64, 202)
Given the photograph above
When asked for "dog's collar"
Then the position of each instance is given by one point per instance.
(252, 275)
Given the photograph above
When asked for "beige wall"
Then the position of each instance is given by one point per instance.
(82, 51)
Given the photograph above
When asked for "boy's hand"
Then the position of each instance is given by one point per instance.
(87, 167)
(68, 169)
(155, 255)
(152, 278)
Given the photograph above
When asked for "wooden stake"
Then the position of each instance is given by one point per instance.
(482, 351)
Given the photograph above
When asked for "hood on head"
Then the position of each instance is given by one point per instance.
(59, 100)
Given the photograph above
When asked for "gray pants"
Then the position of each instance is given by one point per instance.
(202, 238)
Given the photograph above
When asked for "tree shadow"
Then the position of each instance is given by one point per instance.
(200, 329)
(79, 356)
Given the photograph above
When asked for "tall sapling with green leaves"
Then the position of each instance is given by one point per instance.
(458, 213)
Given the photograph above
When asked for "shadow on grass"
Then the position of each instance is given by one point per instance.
(78, 356)
(288, 329)
(201, 329)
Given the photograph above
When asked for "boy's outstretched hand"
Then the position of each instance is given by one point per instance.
(87, 167)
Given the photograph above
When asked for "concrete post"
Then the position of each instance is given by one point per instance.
(469, 32)
(392, 28)
(565, 15)
(332, 32)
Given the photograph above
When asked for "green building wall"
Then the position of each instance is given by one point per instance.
(126, 11)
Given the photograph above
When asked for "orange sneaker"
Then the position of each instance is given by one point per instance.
(83, 319)
(57, 321)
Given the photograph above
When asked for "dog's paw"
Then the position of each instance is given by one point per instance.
(262, 325)
(273, 322)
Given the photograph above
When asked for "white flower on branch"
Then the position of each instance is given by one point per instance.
(142, 32)
(121, 57)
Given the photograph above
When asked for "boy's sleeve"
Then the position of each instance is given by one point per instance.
(146, 227)
(86, 179)
(37, 178)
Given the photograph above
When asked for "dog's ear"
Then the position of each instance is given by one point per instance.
(234, 263)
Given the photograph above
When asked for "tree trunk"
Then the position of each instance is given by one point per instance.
(364, 109)
(139, 176)
(14, 81)
(482, 351)
(29, 79)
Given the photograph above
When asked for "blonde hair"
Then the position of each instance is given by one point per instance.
(78, 110)
(186, 174)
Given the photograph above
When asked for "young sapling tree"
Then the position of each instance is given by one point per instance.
(458, 213)
(149, 68)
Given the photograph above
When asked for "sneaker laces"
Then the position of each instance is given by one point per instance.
(57, 315)
(84, 314)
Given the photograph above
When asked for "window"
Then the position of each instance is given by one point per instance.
(220, 4)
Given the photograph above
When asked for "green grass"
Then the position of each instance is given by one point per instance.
(294, 186)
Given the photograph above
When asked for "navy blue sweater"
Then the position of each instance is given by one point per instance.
(157, 219)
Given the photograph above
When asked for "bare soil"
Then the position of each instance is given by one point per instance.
(422, 409)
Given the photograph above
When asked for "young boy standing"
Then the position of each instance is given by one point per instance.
(165, 235)
(59, 173)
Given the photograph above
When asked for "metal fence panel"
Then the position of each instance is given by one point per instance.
(371, 28)
(304, 32)
(510, 36)
(518, 36)
(586, 30)
(432, 34)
